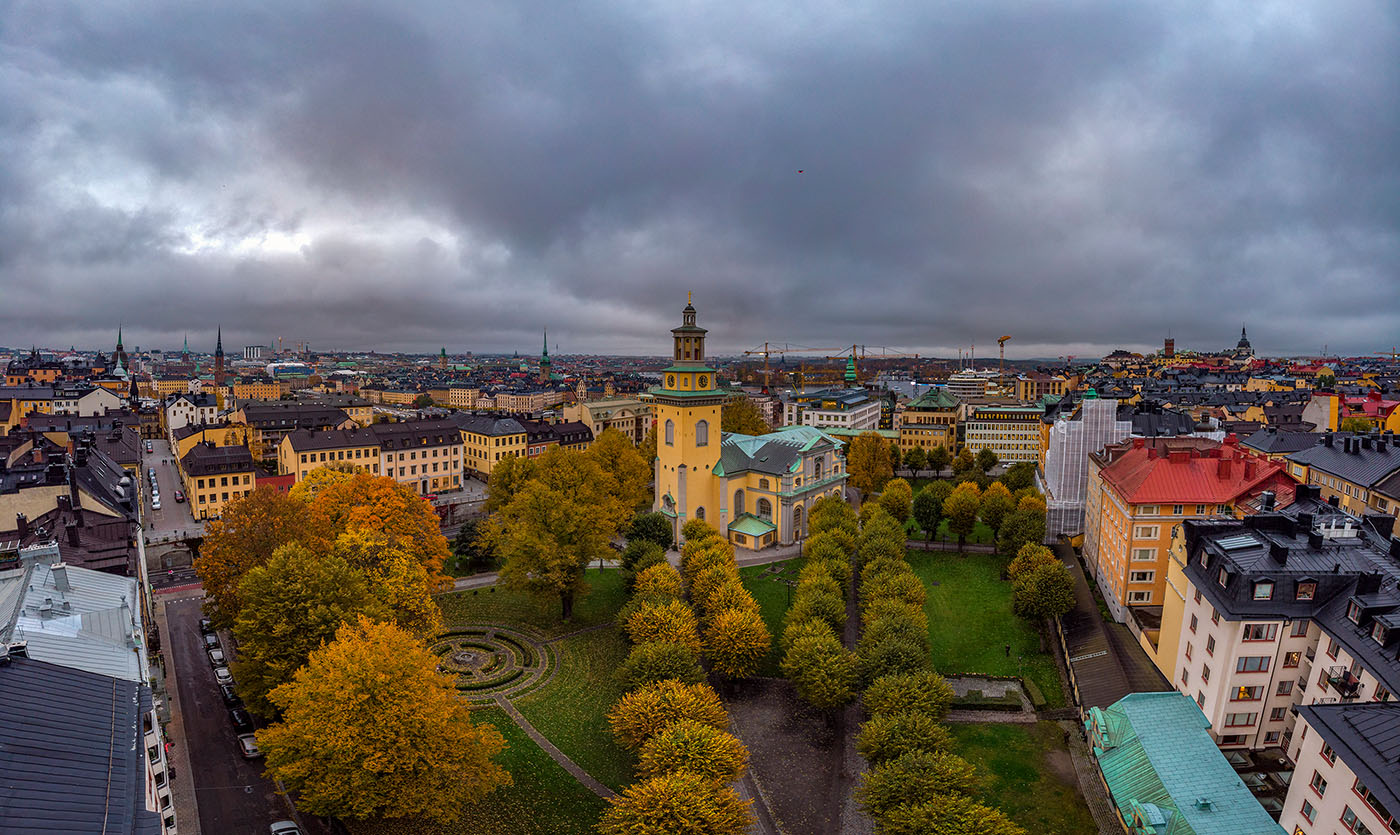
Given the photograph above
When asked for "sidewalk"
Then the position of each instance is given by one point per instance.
(182, 776)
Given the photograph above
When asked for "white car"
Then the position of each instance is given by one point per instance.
(155, 503)
(222, 675)
(216, 657)
(285, 828)
(248, 747)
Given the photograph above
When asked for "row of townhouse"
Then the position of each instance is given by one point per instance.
(1284, 627)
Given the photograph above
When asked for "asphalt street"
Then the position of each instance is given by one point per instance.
(173, 518)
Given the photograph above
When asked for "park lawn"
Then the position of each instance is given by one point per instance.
(1028, 775)
(970, 621)
(572, 709)
(544, 798)
(772, 597)
(497, 604)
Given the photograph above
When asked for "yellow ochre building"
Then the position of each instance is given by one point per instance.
(755, 489)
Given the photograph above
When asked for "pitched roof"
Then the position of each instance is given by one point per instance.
(1366, 466)
(1160, 762)
(1366, 735)
(303, 440)
(203, 459)
(776, 453)
(1184, 476)
(1273, 441)
(936, 398)
(74, 759)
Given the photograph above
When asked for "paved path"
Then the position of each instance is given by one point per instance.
(558, 756)
(1090, 787)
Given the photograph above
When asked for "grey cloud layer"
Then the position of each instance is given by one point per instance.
(1081, 175)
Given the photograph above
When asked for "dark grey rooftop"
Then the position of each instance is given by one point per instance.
(72, 758)
(1366, 735)
(1274, 441)
(1364, 465)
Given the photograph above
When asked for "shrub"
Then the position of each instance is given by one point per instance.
(923, 692)
(659, 581)
(653, 527)
(821, 670)
(875, 659)
(904, 587)
(703, 583)
(648, 709)
(657, 661)
(671, 622)
(676, 804)
(913, 778)
(731, 595)
(693, 747)
(884, 609)
(736, 642)
(810, 627)
(947, 815)
(890, 735)
(818, 604)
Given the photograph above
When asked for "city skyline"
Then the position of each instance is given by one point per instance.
(1084, 178)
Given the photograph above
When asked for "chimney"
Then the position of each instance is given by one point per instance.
(1139, 443)
(1266, 501)
(22, 524)
(1327, 439)
(1314, 539)
(72, 530)
(1222, 469)
(1334, 500)
(60, 576)
(1366, 442)
(1279, 552)
(1305, 521)
(1395, 548)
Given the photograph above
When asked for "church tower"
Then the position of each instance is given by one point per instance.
(219, 359)
(545, 365)
(687, 409)
(119, 355)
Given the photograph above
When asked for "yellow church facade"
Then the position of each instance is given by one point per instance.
(755, 489)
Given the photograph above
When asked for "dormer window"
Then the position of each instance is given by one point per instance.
(1380, 632)
(1263, 589)
(1223, 578)
(1307, 589)
(1354, 612)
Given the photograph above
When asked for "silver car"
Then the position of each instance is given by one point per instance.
(285, 828)
(248, 747)
(216, 657)
(222, 675)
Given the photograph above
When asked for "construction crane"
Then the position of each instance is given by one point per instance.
(771, 348)
(853, 371)
(1001, 347)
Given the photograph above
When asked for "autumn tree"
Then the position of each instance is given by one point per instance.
(647, 448)
(964, 463)
(961, 508)
(694, 747)
(889, 735)
(1356, 423)
(924, 692)
(388, 509)
(244, 537)
(508, 477)
(638, 556)
(897, 498)
(415, 754)
(736, 642)
(1020, 528)
(996, 504)
(626, 475)
(557, 524)
(652, 527)
(868, 463)
(1028, 558)
(938, 459)
(913, 778)
(741, 416)
(916, 459)
(952, 814)
(677, 803)
(1045, 592)
(896, 458)
(671, 622)
(821, 671)
(986, 459)
(928, 506)
(655, 661)
(396, 577)
(647, 710)
(292, 604)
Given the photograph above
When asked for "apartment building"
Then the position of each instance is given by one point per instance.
(304, 450)
(833, 408)
(929, 421)
(426, 455)
(1280, 610)
(1347, 467)
(486, 439)
(214, 476)
(269, 422)
(1346, 775)
(628, 415)
(541, 435)
(1145, 489)
(1012, 432)
(183, 410)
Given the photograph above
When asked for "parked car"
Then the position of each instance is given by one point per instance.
(222, 675)
(211, 640)
(206, 626)
(151, 473)
(229, 695)
(248, 747)
(155, 503)
(179, 497)
(285, 828)
(150, 447)
(216, 657)
(242, 722)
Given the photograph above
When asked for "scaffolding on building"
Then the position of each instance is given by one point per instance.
(1066, 479)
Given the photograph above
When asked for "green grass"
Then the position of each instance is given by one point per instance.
(540, 614)
(970, 621)
(981, 534)
(571, 711)
(1019, 779)
(544, 798)
(772, 597)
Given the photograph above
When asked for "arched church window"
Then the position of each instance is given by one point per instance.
(738, 502)
(670, 433)
(765, 509)
(702, 433)
(700, 513)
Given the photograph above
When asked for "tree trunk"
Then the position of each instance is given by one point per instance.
(962, 540)
(567, 598)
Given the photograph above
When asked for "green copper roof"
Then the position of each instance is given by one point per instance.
(1161, 765)
(935, 398)
(751, 525)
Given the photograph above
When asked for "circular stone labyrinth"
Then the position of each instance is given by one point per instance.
(491, 661)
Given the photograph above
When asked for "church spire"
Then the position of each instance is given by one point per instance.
(219, 343)
(546, 343)
(119, 337)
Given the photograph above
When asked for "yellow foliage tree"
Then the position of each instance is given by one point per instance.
(371, 730)
(736, 642)
(245, 536)
(672, 622)
(378, 504)
(679, 803)
(627, 473)
(647, 710)
(696, 748)
(396, 577)
(658, 581)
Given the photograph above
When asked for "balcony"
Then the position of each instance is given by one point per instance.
(1343, 681)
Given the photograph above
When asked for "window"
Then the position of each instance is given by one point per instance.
(1148, 510)
(1285, 688)
(1309, 812)
(1146, 531)
(1375, 804)
(1252, 664)
(1306, 590)
(1350, 821)
(1235, 720)
(1382, 694)
(1141, 576)
(1176, 510)
(1260, 631)
(1139, 597)
(700, 513)
(1210, 645)
(1379, 632)
(1264, 590)
(1278, 714)
(764, 508)
(1194, 623)
(1292, 659)
(1223, 578)
(1185, 676)
(1205, 674)
(1354, 612)
(1271, 736)
(1300, 628)
(1200, 699)
(1318, 783)
(670, 433)
(1188, 650)
(1252, 693)
(1198, 595)
(702, 433)
(1144, 554)
(1328, 754)
(1332, 647)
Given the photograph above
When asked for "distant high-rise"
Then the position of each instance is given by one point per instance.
(1169, 348)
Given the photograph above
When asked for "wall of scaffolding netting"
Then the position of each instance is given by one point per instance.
(1067, 463)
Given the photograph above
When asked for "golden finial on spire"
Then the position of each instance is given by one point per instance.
(687, 297)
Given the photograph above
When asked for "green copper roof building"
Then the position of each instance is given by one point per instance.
(1164, 772)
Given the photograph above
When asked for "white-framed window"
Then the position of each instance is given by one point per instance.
(702, 433)
(1147, 510)
(1144, 554)
(670, 433)
(1139, 597)
(1146, 531)
(1141, 576)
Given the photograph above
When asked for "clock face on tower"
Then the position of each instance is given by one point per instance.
(670, 381)
(704, 381)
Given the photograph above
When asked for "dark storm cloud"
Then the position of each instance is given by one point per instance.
(1081, 175)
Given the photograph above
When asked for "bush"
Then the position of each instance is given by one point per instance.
(923, 692)
(658, 581)
(652, 527)
(818, 604)
(977, 700)
(876, 659)
(913, 778)
(651, 708)
(676, 804)
(736, 642)
(947, 815)
(731, 595)
(821, 671)
(657, 661)
(885, 609)
(903, 587)
(696, 748)
(697, 530)
(890, 735)
(810, 627)
(704, 583)
(670, 622)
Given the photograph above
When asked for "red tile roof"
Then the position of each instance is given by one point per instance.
(1219, 475)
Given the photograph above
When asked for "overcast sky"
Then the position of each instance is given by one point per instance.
(405, 175)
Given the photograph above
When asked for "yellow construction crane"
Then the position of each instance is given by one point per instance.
(1001, 347)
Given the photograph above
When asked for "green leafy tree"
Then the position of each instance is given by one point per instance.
(896, 459)
(1031, 556)
(1357, 424)
(928, 506)
(416, 754)
(508, 477)
(952, 814)
(830, 513)
(986, 459)
(1046, 592)
(1326, 381)
(868, 463)
(658, 661)
(626, 476)
(811, 601)
(678, 803)
(923, 692)
(896, 499)
(964, 464)
(916, 459)
(741, 416)
(652, 527)
(821, 671)
(1019, 476)
(470, 550)
(1019, 529)
(961, 509)
(638, 556)
(651, 708)
(696, 748)
(890, 735)
(938, 459)
(891, 656)
(422, 401)
(913, 778)
(996, 505)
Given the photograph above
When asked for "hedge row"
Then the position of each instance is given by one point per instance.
(822, 670)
